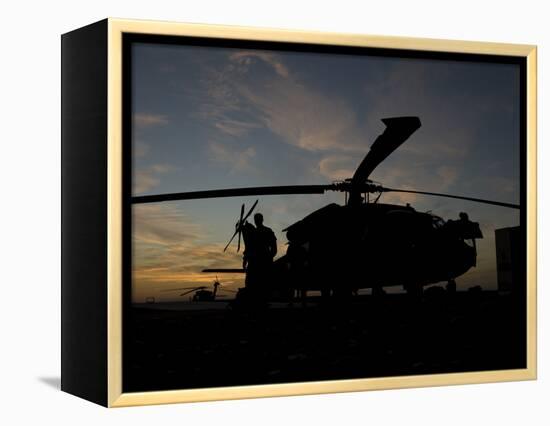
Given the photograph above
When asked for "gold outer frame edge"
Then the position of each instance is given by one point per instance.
(531, 129)
(114, 213)
(116, 28)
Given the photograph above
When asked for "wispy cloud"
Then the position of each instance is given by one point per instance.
(163, 224)
(170, 250)
(235, 128)
(140, 149)
(147, 120)
(337, 167)
(324, 129)
(147, 178)
(246, 58)
(302, 117)
(238, 161)
(243, 96)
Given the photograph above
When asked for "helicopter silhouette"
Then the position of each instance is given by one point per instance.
(201, 294)
(339, 249)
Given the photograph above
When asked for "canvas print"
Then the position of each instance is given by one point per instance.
(301, 214)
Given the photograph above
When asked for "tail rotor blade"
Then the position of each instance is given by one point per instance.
(233, 236)
(251, 210)
(243, 219)
(239, 228)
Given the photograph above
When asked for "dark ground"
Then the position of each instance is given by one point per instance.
(392, 336)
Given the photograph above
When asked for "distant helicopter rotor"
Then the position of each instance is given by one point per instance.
(189, 289)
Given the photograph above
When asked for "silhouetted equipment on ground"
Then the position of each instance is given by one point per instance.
(510, 263)
(339, 249)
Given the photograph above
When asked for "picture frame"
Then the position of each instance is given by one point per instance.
(99, 353)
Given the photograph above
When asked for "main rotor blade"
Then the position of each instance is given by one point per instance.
(436, 194)
(183, 288)
(226, 270)
(190, 291)
(398, 130)
(239, 227)
(234, 192)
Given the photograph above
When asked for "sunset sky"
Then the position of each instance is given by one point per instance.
(209, 118)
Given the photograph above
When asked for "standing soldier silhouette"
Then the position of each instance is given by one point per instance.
(260, 249)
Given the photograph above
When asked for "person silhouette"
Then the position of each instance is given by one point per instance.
(260, 249)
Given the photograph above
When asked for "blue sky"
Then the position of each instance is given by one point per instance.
(207, 118)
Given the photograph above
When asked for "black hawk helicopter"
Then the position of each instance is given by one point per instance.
(339, 249)
(201, 294)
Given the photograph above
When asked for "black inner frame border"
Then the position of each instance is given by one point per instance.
(128, 39)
